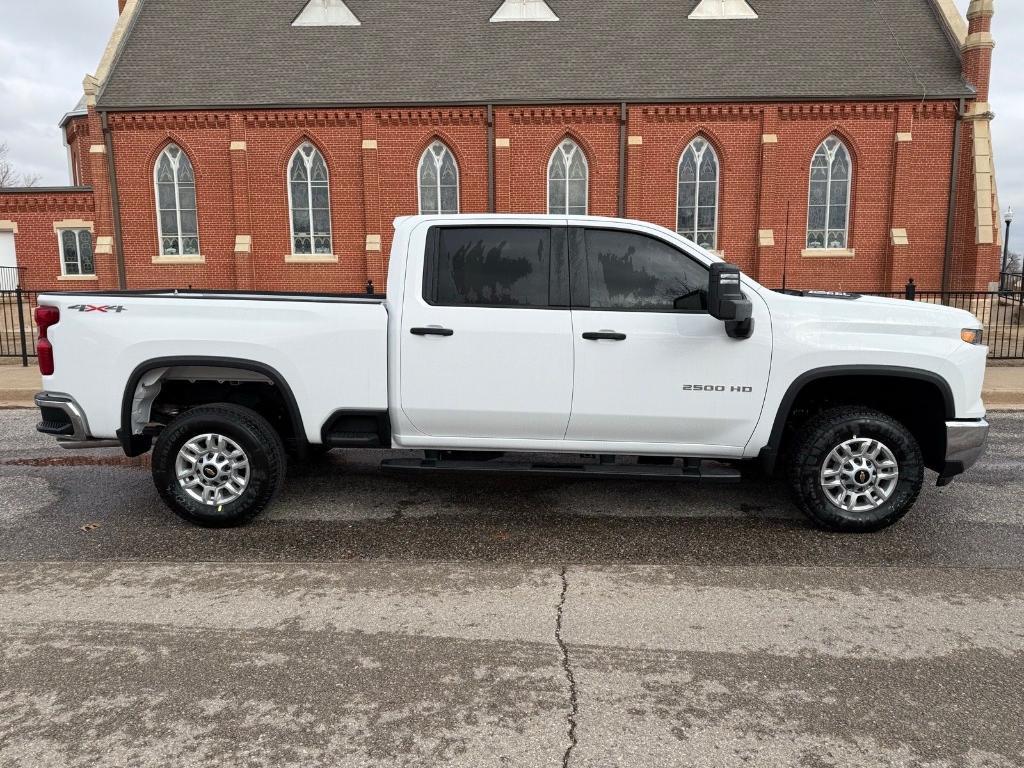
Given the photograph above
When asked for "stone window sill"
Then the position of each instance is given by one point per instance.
(196, 259)
(75, 278)
(311, 258)
(828, 253)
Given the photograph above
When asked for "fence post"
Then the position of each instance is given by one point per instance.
(910, 292)
(21, 325)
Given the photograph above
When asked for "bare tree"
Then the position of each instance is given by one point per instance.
(9, 177)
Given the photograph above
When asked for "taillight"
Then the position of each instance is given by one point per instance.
(45, 317)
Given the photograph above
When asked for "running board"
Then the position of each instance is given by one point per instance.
(708, 472)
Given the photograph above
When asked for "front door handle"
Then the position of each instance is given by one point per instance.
(604, 336)
(432, 331)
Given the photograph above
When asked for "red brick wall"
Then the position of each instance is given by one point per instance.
(35, 242)
(243, 192)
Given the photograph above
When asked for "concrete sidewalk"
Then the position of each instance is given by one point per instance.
(1004, 386)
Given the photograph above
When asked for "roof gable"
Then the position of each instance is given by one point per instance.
(239, 53)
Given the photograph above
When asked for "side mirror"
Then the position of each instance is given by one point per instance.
(727, 302)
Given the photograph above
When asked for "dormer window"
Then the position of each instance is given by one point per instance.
(524, 10)
(326, 13)
(723, 9)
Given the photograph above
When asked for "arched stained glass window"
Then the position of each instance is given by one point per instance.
(828, 207)
(438, 180)
(568, 175)
(309, 199)
(697, 212)
(177, 218)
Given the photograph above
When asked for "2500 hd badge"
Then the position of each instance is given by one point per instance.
(716, 388)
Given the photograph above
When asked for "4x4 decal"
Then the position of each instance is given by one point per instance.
(99, 308)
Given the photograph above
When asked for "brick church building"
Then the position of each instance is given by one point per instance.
(269, 145)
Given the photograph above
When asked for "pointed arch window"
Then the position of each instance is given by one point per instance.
(177, 217)
(697, 208)
(568, 175)
(309, 200)
(438, 180)
(828, 207)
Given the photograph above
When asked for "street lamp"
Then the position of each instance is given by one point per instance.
(1008, 218)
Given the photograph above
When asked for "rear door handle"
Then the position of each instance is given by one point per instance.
(604, 336)
(432, 331)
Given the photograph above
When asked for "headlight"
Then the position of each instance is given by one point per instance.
(971, 335)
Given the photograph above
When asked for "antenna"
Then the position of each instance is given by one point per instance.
(785, 257)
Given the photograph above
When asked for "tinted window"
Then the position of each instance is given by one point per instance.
(492, 266)
(632, 271)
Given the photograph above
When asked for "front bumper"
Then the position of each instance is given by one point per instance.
(965, 442)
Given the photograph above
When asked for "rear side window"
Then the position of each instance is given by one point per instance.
(491, 267)
(631, 271)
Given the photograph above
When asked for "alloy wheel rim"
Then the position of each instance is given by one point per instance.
(860, 474)
(212, 469)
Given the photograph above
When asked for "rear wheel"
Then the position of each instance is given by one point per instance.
(218, 465)
(855, 469)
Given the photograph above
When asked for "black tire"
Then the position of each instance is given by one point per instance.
(830, 429)
(250, 432)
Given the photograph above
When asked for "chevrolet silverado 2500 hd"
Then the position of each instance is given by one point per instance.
(622, 346)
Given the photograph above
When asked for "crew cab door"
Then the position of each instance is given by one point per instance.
(652, 366)
(486, 337)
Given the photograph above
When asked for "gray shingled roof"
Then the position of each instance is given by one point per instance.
(236, 53)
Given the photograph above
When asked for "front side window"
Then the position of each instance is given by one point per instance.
(309, 199)
(438, 180)
(631, 271)
(176, 203)
(697, 215)
(828, 208)
(490, 266)
(76, 252)
(568, 175)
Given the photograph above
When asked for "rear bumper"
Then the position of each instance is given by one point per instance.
(965, 442)
(64, 419)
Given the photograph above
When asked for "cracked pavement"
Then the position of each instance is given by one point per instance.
(371, 620)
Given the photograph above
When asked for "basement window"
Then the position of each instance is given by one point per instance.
(723, 9)
(524, 10)
(326, 13)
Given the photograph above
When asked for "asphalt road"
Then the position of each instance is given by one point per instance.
(373, 620)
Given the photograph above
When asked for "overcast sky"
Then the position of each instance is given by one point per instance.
(47, 47)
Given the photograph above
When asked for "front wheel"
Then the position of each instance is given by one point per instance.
(218, 465)
(855, 469)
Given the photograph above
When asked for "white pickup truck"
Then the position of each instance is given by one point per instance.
(619, 345)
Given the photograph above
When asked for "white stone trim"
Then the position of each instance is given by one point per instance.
(766, 238)
(104, 246)
(904, 137)
(828, 253)
(978, 40)
(373, 242)
(6, 225)
(311, 258)
(243, 243)
(73, 224)
(954, 19)
(191, 259)
(238, 146)
(769, 138)
(76, 278)
(899, 236)
(635, 141)
(980, 8)
(98, 149)
(117, 37)
(502, 143)
(369, 143)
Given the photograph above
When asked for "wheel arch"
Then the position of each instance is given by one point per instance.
(137, 444)
(846, 373)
